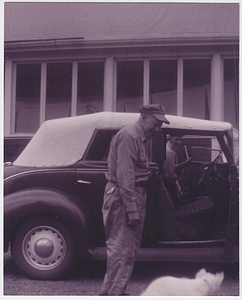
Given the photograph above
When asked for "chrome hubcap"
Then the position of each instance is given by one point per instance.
(44, 247)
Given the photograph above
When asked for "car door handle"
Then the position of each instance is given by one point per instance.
(83, 181)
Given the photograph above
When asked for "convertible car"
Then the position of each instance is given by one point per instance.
(53, 194)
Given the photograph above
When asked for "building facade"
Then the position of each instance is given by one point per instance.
(68, 59)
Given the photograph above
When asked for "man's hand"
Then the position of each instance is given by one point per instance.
(186, 162)
(189, 159)
(179, 167)
(133, 218)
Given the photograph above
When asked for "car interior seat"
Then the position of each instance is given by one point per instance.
(189, 221)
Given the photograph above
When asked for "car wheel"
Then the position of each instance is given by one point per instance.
(43, 248)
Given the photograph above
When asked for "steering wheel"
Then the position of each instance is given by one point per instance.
(209, 170)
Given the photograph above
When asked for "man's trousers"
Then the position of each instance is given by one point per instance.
(122, 240)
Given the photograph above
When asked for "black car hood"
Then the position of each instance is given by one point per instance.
(10, 170)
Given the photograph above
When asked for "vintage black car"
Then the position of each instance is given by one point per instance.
(53, 195)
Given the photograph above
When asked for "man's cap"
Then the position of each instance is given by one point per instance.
(155, 110)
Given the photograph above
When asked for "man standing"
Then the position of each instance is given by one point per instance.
(172, 167)
(125, 197)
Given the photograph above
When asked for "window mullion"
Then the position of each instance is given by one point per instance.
(146, 82)
(13, 99)
(109, 91)
(115, 84)
(217, 97)
(74, 88)
(43, 92)
(180, 87)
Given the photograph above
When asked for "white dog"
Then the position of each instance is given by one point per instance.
(204, 284)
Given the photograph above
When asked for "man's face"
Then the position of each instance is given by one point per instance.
(150, 125)
(176, 141)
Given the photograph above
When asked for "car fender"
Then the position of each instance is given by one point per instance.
(36, 201)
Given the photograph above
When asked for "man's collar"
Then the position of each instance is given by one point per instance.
(141, 132)
(169, 144)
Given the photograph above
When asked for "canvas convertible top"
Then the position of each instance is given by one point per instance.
(63, 141)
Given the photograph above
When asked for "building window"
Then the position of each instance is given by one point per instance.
(90, 87)
(163, 84)
(58, 90)
(196, 88)
(129, 86)
(231, 91)
(64, 92)
(27, 109)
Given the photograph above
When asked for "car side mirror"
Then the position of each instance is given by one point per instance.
(159, 146)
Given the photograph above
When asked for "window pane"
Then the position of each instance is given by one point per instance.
(27, 98)
(99, 148)
(196, 96)
(90, 87)
(163, 84)
(129, 86)
(231, 91)
(58, 90)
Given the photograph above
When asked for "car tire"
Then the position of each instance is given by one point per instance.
(43, 248)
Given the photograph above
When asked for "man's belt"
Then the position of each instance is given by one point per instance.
(142, 184)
